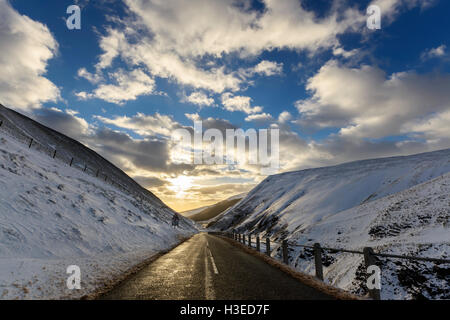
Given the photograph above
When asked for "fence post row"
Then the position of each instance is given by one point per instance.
(318, 261)
(369, 259)
(284, 247)
(54, 156)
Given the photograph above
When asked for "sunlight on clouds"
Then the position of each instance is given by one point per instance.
(180, 185)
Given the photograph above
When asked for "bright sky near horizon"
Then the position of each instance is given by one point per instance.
(139, 69)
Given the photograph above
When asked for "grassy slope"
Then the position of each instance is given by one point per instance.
(214, 210)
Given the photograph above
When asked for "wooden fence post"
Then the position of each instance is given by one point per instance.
(249, 240)
(71, 162)
(243, 239)
(284, 246)
(268, 246)
(1, 122)
(54, 154)
(369, 259)
(31, 142)
(106, 177)
(258, 248)
(318, 261)
(85, 168)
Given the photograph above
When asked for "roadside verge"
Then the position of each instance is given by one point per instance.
(108, 286)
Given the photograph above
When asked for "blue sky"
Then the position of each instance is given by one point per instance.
(138, 70)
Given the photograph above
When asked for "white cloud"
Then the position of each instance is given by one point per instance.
(392, 8)
(239, 103)
(199, 98)
(284, 117)
(365, 103)
(268, 68)
(183, 41)
(259, 117)
(91, 77)
(180, 33)
(434, 52)
(26, 47)
(145, 125)
(128, 86)
(339, 51)
(193, 116)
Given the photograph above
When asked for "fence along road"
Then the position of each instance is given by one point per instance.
(370, 257)
(209, 267)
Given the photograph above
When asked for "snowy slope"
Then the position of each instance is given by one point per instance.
(53, 216)
(293, 201)
(412, 222)
(48, 140)
(396, 205)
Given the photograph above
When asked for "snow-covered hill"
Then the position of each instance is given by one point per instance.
(53, 216)
(48, 140)
(391, 204)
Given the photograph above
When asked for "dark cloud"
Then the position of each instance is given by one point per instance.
(150, 154)
(150, 182)
(66, 123)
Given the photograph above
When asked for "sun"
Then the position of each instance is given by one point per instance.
(180, 184)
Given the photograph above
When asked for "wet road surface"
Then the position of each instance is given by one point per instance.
(208, 267)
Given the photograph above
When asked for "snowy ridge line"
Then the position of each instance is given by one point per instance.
(24, 138)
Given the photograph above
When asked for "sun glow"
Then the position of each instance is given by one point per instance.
(180, 185)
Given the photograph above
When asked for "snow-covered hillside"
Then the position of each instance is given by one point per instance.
(47, 141)
(413, 222)
(384, 203)
(53, 216)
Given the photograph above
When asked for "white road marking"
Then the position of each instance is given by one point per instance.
(212, 262)
(209, 289)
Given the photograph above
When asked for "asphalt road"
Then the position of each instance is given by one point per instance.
(208, 267)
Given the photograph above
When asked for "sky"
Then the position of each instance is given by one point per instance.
(138, 70)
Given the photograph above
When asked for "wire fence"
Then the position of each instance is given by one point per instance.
(268, 246)
(64, 156)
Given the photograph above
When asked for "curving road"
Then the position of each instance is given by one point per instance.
(208, 267)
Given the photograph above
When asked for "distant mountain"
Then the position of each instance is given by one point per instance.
(207, 213)
(398, 204)
(53, 215)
